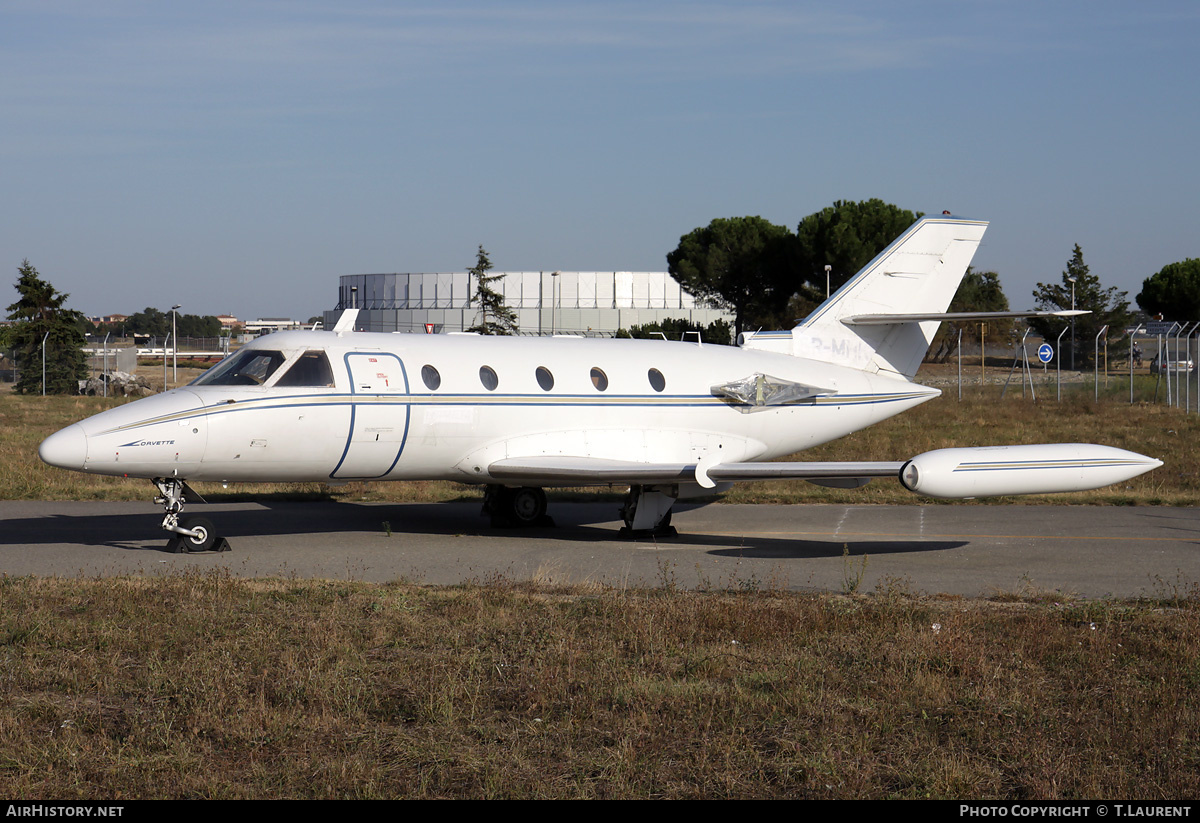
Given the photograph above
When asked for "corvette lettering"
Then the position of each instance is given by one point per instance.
(147, 443)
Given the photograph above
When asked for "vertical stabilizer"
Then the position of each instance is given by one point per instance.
(918, 273)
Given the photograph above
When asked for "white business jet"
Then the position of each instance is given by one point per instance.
(668, 420)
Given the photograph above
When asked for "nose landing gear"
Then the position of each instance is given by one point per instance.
(188, 534)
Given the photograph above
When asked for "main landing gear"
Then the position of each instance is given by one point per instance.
(188, 534)
(516, 508)
(647, 512)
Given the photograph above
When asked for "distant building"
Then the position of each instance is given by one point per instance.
(110, 318)
(228, 321)
(266, 325)
(569, 302)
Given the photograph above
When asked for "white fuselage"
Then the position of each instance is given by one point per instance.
(381, 420)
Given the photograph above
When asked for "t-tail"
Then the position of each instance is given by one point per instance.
(885, 317)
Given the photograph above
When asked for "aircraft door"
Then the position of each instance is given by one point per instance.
(379, 416)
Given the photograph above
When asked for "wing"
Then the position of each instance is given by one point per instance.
(549, 471)
(948, 473)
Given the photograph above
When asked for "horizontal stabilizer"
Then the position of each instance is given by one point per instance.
(886, 319)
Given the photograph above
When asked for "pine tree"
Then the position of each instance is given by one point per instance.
(495, 317)
(39, 314)
(1107, 306)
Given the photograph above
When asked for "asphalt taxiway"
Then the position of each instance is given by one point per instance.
(954, 549)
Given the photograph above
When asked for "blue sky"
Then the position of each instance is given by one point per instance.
(239, 156)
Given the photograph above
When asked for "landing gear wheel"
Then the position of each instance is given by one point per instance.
(516, 508)
(527, 506)
(657, 504)
(205, 537)
(172, 493)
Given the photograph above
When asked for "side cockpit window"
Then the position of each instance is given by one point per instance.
(248, 367)
(312, 369)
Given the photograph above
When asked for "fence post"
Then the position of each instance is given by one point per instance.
(1132, 343)
(960, 365)
(1058, 346)
(104, 374)
(47, 334)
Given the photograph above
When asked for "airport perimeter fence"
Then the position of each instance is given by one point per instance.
(148, 346)
(1153, 363)
(1162, 369)
(108, 356)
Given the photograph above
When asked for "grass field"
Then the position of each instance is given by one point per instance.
(205, 685)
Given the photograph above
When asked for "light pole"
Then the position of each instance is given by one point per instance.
(1072, 278)
(553, 301)
(174, 347)
(828, 269)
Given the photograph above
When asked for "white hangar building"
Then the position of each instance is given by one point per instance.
(569, 302)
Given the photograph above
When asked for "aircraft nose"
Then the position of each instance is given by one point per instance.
(66, 449)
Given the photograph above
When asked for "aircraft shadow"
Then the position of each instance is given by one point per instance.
(1186, 520)
(811, 549)
(574, 523)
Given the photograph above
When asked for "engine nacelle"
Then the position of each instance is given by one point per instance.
(991, 471)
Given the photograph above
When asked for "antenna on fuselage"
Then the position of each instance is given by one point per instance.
(345, 323)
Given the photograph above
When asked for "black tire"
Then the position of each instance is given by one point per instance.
(204, 540)
(526, 506)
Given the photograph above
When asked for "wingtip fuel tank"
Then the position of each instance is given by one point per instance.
(993, 471)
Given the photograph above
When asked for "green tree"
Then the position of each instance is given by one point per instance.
(197, 325)
(978, 291)
(1174, 292)
(38, 315)
(149, 321)
(845, 236)
(678, 328)
(1107, 306)
(157, 323)
(736, 263)
(495, 317)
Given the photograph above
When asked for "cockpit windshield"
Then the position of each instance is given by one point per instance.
(310, 369)
(249, 367)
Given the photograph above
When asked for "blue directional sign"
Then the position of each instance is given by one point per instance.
(1045, 352)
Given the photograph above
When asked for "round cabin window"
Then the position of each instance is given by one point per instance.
(487, 376)
(431, 378)
(599, 378)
